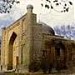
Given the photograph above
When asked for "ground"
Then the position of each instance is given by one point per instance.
(36, 73)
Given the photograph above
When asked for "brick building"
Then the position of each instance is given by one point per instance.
(31, 46)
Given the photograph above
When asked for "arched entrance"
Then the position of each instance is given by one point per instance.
(10, 51)
(60, 56)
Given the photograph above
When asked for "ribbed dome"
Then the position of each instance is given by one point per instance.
(47, 29)
(29, 6)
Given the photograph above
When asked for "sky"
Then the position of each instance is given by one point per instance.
(50, 17)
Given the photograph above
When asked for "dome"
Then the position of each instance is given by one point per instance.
(47, 29)
(29, 6)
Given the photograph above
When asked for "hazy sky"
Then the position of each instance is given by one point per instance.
(50, 17)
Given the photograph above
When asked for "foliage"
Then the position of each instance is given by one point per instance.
(6, 5)
(55, 4)
(67, 31)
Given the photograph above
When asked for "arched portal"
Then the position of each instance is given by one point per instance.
(60, 55)
(10, 51)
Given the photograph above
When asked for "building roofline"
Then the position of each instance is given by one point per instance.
(16, 21)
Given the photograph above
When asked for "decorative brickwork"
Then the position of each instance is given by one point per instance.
(31, 46)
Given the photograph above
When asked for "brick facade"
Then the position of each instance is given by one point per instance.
(27, 42)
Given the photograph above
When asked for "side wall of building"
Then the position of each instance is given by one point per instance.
(65, 56)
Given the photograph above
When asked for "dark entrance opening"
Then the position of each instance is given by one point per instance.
(60, 56)
(10, 51)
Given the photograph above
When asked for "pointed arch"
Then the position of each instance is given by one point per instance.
(60, 53)
(10, 51)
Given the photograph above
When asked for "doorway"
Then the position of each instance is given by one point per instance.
(10, 51)
(60, 56)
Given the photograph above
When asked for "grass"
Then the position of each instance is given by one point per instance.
(46, 74)
(37, 74)
(40, 73)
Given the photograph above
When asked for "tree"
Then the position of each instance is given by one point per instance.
(55, 4)
(67, 31)
(6, 5)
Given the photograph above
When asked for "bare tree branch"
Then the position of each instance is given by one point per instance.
(54, 4)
